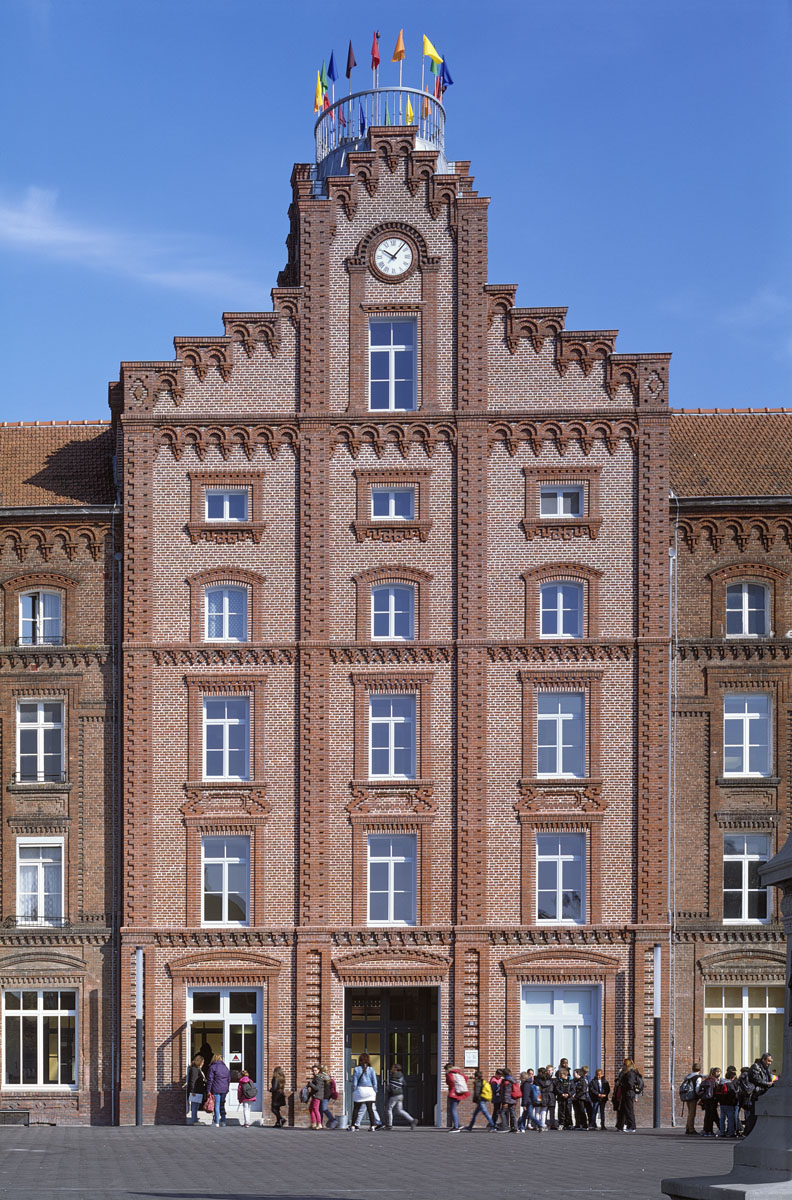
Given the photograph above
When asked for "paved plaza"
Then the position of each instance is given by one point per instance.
(51, 1163)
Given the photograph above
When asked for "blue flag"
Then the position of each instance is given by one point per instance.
(331, 71)
(362, 120)
(445, 76)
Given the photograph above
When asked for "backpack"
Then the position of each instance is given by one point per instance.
(248, 1090)
(639, 1084)
(744, 1088)
(516, 1090)
(305, 1094)
(687, 1088)
(536, 1095)
(486, 1090)
(333, 1090)
(460, 1083)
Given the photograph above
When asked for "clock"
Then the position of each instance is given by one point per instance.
(393, 257)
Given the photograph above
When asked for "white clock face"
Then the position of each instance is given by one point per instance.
(393, 256)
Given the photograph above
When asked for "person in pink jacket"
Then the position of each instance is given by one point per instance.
(246, 1094)
(457, 1084)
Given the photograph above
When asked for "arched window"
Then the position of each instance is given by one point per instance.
(226, 614)
(561, 610)
(747, 610)
(392, 612)
(40, 619)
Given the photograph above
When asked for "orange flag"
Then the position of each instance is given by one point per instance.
(399, 52)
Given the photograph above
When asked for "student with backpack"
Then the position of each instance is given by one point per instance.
(536, 1103)
(246, 1094)
(510, 1097)
(630, 1085)
(495, 1084)
(708, 1100)
(726, 1091)
(457, 1084)
(330, 1093)
(549, 1097)
(395, 1101)
(688, 1094)
(482, 1093)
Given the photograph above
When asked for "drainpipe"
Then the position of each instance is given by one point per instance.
(138, 1035)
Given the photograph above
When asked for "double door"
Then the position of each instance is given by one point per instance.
(227, 1021)
(394, 1025)
(560, 1022)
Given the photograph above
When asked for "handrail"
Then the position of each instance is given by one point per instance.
(341, 124)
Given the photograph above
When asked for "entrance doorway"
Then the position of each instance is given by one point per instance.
(561, 1022)
(393, 1024)
(228, 1022)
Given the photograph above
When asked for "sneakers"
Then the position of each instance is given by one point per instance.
(458, 1129)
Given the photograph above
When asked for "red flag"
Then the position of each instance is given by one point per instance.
(341, 118)
(438, 88)
(375, 55)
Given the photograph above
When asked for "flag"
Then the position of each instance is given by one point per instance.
(350, 61)
(399, 52)
(323, 78)
(387, 114)
(410, 113)
(318, 96)
(331, 70)
(362, 120)
(341, 118)
(426, 106)
(375, 54)
(325, 103)
(435, 69)
(428, 49)
(445, 75)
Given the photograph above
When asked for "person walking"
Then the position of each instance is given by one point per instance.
(509, 1098)
(364, 1093)
(495, 1085)
(316, 1089)
(599, 1090)
(482, 1092)
(277, 1091)
(457, 1084)
(395, 1102)
(246, 1094)
(726, 1091)
(218, 1082)
(630, 1085)
(688, 1094)
(196, 1087)
(331, 1093)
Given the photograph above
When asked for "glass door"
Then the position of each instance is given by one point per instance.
(560, 1023)
(228, 1022)
(394, 1025)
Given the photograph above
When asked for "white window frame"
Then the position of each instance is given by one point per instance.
(559, 609)
(746, 719)
(391, 722)
(558, 491)
(746, 609)
(226, 493)
(40, 920)
(744, 1011)
(391, 860)
(40, 726)
(40, 621)
(391, 493)
(39, 1013)
(558, 859)
(225, 723)
(225, 589)
(560, 720)
(224, 862)
(391, 352)
(745, 859)
(391, 589)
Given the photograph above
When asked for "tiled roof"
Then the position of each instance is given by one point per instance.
(55, 463)
(731, 452)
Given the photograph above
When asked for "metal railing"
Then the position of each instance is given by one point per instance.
(22, 922)
(39, 777)
(348, 119)
(50, 639)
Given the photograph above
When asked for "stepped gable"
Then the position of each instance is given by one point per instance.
(731, 452)
(55, 463)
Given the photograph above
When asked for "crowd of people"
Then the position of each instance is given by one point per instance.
(728, 1101)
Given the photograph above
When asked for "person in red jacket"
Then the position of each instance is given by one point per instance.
(457, 1084)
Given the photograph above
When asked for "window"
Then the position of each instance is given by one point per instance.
(393, 504)
(40, 619)
(560, 724)
(560, 876)
(40, 1044)
(226, 737)
(746, 735)
(226, 614)
(226, 504)
(561, 610)
(744, 898)
(392, 372)
(226, 880)
(742, 1022)
(40, 881)
(747, 610)
(40, 741)
(392, 613)
(392, 737)
(560, 501)
(391, 879)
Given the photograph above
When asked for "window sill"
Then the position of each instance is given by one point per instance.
(391, 924)
(38, 789)
(392, 531)
(560, 530)
(225, 533)
(565, 924)
(749, 921)
(750, 781)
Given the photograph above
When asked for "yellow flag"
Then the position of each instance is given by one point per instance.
(428, 49)
(410, 113)
(398, 53)
(318, 96)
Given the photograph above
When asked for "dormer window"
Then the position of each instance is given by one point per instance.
(40, 619)
(747, 608)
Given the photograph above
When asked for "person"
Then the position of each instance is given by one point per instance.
(395, 1101)
(709, 1101)
(630, 1085)
(316, 1090)
(482, 1092)
(246, 1094)
(549, 1096)
(585, 1098)
(330, 1093)
(364, 1093)
(495, 1085)
(578, 1096)
(726, 1092)
(508, 1101)
(457, 1084)
(688, 1094)
(563, 1090)
(196, 1087)
(278, 1096)
(525, 1099)
(761, 1077)
(599, 1090)
(218, 1081)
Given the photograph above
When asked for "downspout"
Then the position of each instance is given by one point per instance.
(673, 633)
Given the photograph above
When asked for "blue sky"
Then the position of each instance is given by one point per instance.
(637, 153)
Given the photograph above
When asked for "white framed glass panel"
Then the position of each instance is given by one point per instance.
(40, 619)
(391, 879)
(563, 502)
(561, 610)
(742, 1022)
(392, 737)
(40, 741)
(40, 881)
(746, 734)
(744, 898)
(227, 504)
(226, 614)
(561, 878)
(747, 610)
(560, 726)
(393, 503)
(225, 871)
(226, 721)
(560, 1022)
(392, 358)
(392, 612)
(40, 1039)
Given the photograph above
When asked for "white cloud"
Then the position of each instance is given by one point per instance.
(33, 225)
